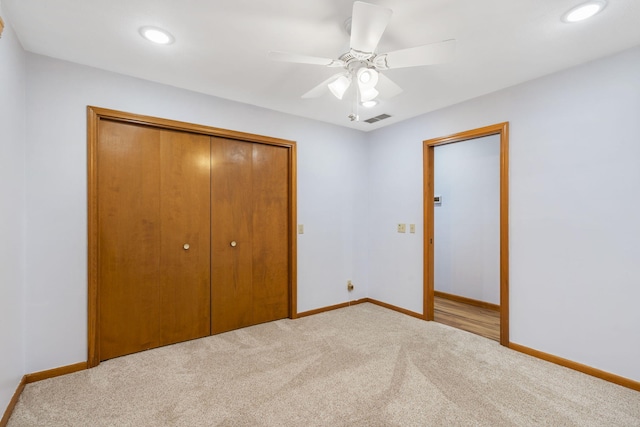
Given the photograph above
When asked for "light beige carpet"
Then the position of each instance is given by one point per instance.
(357, 366)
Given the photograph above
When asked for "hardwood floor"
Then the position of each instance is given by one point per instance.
(478, 320)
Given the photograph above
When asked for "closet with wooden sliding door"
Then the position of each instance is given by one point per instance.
(191, 231)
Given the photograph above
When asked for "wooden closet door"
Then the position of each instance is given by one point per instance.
(185, 207)
(250, 223)
(153, 198)
(129, 238)
(231, 266)
(270, 240)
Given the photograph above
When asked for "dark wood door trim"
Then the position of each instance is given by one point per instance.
(501, 129)
(94, 115)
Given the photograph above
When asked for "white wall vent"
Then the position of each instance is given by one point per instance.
(377, 118)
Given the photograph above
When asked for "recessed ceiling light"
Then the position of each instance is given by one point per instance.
(156, 35)
(584, 11)
(370, 104)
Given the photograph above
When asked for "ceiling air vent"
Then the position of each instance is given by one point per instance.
(377, 118)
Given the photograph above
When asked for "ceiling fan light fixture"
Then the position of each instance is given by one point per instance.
(368, 94)
(367, 77)
(156, 35)
(340, 85)
(584, 11)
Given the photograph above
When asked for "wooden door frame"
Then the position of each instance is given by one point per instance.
(501, 129)
(94, 115)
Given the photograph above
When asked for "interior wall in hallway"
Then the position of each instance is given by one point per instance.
(467, 219)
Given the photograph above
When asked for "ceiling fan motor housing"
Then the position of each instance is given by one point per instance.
(362, 56)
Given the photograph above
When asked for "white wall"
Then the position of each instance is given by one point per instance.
(331, 194)
(12, 212)
(574, 209)
(467, 220)
(395, 197)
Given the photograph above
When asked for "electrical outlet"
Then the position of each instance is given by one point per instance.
(402, 228)
(349, 285)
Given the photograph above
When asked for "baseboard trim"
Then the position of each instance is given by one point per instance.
(38, 376)
(465, 300)
(55, 372)
(607, 376)
(360, 301)
(394, 308)
(12, 403)
(329, 308)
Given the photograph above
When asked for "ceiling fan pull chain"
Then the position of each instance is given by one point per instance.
(354, 106)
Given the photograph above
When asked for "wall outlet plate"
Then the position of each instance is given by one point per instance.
(402, 228)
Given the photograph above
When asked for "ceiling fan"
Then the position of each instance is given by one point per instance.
(363, 64)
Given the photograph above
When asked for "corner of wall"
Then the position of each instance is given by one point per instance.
(12, 216)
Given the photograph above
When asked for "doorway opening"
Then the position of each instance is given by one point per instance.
(445, 301)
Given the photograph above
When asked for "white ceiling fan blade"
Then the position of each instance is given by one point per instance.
(321, 88)
(387, 87)
(429, 54)
(368, 22)
(304, 59)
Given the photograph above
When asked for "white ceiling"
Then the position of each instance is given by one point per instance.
(221, 45)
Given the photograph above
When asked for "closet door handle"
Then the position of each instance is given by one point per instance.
(186, 246)
(233, 243)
